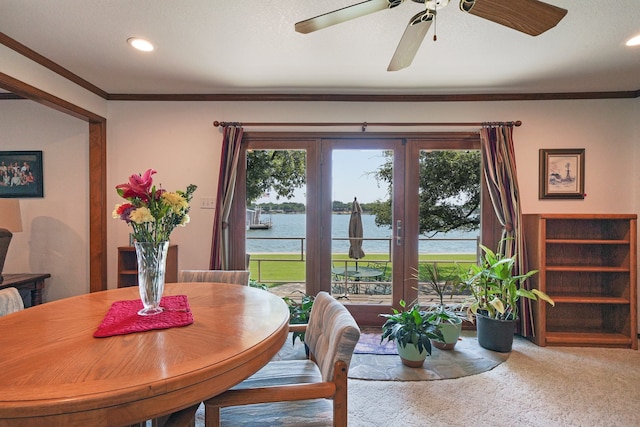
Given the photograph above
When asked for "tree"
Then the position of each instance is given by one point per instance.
(449, 195)
(281, 171)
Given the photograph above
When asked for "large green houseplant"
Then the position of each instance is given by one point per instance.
(495, 295)
(448, 317)
(412, 331)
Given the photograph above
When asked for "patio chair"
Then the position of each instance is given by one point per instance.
(238, 277)
(10, 301)
(382, 266)
(298, 388)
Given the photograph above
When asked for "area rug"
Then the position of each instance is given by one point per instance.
(369, 343)
(467, 358)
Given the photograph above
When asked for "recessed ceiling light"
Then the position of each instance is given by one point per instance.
(140, 44)
(634, 41)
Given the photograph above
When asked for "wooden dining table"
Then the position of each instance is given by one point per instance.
(54, 372)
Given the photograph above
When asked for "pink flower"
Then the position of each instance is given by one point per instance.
(138, 186)
(152, 212)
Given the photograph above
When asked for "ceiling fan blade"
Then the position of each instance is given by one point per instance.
(531, 17)
(345, 14)
(411, 40)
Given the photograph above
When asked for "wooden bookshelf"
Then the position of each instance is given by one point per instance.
(587, 264)
(128, 266)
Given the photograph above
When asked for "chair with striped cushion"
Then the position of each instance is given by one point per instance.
(286, 392)
(238, 277)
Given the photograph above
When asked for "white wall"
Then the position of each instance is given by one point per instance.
(604, 128)
(55, 237)
(179, 140)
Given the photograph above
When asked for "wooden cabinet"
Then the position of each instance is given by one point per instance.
(587, 264)
(128, 266)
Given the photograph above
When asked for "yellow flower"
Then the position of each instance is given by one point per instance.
(141, 215)
(176, 202)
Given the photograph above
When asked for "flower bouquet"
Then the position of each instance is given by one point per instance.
(153, 214)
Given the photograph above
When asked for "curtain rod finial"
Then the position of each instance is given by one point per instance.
(518, 123)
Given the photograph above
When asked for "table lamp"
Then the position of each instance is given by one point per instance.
(10, 221)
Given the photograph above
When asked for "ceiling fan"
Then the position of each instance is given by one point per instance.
(531, 17)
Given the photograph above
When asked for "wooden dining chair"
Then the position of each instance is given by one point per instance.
(238, 277)
(281, 391)
(10, 301)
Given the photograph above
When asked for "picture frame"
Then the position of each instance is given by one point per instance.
(21, 174)
(561, 173)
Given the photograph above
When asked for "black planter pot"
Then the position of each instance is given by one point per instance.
(495, 334)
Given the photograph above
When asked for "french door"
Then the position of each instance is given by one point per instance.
(371, 284)
(326, 237)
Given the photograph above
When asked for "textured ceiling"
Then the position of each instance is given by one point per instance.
(250, 46)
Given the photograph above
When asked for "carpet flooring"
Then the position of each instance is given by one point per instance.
(534, 387)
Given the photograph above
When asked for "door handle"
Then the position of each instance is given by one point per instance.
(399, 233)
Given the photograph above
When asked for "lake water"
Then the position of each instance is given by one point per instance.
(293, 226)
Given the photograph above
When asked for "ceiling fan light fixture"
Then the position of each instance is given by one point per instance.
(531, 17)
(140, 44)
(436, 4)
(634, 41)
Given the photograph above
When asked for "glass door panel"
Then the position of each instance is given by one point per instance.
(360, 226)
(276, 220)
(448, 222)
(361, 268)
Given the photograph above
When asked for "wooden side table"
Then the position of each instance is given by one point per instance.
(128, 266)
(34, 282)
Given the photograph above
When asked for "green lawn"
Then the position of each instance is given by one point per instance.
(275, 268)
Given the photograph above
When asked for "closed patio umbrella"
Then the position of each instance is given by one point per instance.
(355, 232)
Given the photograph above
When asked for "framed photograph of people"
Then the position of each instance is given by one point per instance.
(561, 174)
(21, 174)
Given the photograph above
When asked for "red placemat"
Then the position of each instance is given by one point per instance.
(123, 318)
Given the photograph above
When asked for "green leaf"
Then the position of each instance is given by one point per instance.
(498, 305)
(543, 296)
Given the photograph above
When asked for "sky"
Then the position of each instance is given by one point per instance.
(350, 178)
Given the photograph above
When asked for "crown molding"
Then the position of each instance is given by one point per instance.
(10, 96)
(49, 64)
(264, 97)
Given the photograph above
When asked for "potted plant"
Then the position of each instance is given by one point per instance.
(447, 317)
(412, 331)
(495, 292)
(299, 312)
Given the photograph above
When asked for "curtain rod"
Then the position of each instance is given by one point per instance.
(365, 124)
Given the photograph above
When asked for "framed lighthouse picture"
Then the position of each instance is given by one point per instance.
(561, 174)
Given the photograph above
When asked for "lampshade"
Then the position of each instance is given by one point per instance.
(10, 221)
(10, 217)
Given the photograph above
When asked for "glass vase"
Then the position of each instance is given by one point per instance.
(152, 258)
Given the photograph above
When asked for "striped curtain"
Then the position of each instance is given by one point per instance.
(231, 139)
(496, 141)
